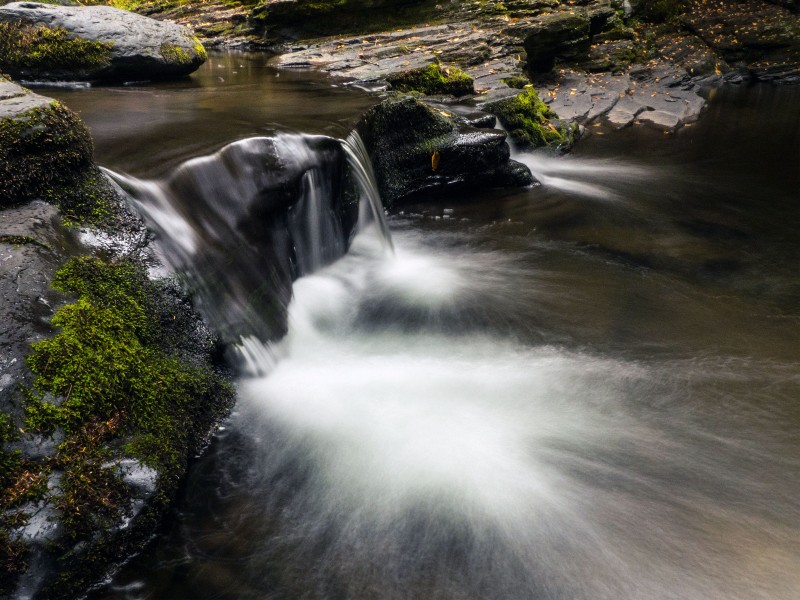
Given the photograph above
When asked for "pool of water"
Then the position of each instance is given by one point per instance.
(584, 390)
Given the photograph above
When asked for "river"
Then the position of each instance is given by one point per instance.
(584, 390)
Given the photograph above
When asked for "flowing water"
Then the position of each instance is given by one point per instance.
(585, 390)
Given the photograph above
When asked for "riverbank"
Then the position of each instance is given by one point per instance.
(614, 63)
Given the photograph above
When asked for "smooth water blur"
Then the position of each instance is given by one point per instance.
(584, 390)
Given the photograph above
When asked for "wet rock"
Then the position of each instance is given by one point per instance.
(418, 149)
(48, 42)
(662, 97)
(32, 244)
(755, 38)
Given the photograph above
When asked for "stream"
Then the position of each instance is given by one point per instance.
(584, 390)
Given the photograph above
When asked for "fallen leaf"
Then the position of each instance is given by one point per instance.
(435, 160)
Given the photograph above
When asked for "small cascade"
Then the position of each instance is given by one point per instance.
(242, 223)
(370, 207)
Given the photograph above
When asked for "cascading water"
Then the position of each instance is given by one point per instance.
(421, 432)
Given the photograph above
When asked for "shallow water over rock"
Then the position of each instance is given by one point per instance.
(585, 389)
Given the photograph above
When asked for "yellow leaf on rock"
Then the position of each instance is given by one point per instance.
(435, 160)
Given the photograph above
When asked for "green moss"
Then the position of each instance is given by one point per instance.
(38, 48)
(527, 120)
(47, 153)
(199, 49)
(22, 240)
(434, 79)
(517, 82)
(175, 54)
(126, 376)
(108, 365)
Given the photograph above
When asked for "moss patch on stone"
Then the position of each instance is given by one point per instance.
(434, 79)
(528, 120)
(126, 376)
(109, 361)
(26, 47)
(47, 153)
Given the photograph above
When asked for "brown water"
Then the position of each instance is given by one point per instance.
(587, 390)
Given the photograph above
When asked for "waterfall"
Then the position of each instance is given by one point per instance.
(242, 223)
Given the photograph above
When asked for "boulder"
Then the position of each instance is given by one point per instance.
(48, 42)
(416, 148)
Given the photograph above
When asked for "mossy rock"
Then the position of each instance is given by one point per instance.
(530, 122)
(433, 79)
(129, 383)
(46, 152)
(27, 49)
(49, 42)
(418, 150)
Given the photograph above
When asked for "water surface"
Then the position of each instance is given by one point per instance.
(583, 390)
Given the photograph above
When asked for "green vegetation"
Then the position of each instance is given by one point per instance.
(177, 55)
(125, 376)
(109, 363)
(527, 120)
(39, 48)
(517, 82)
(47, 153)
(434, 79)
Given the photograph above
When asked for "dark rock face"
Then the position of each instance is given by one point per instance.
(32, 244)
(298, 18)
(417, 149)
(566, 35)
(113, 44)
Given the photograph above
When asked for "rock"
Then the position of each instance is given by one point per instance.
(436, 78)
(661, 97)
(756, 38)
(417, 149)
(531, 123)
(48, 42)
(40, 142)
(564, 35)
(32, 244)
(46, 153)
